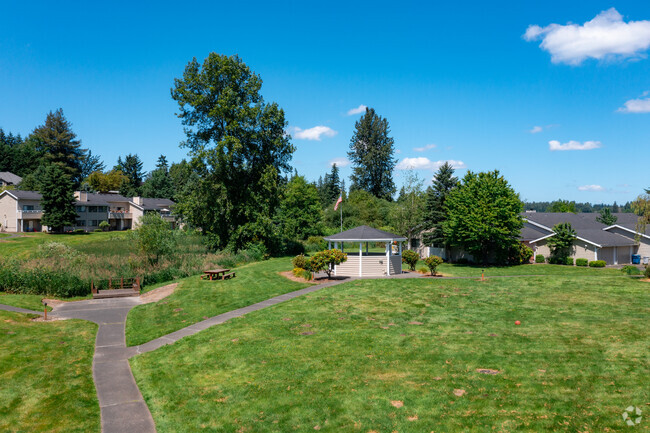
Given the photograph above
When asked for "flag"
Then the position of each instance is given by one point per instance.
(338, 202)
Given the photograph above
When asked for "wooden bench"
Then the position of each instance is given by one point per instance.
(228, 276)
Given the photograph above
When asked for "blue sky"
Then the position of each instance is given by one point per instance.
(473, 82)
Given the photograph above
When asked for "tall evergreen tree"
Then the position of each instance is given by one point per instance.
(57, 144)
(333, 184)
(131, 167)
(159, 183)
(58, 199)
(239, 147)
(435, 213)
(371, 153)
(91, 163)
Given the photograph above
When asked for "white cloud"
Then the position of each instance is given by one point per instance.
(554, 145)
(536, 129)
(360, 109)
(340, 161)
(591, 188)
(606, 36)
(425, 148)
(422, 163)
(314, 133)
(639, 105)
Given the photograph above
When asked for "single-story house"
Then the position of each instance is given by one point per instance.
(615, 244)
(362, 263)
(21, 211)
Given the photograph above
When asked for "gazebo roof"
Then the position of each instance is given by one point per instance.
(365, 234)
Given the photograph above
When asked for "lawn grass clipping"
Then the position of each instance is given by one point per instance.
(46, 375)
(402, 355)
(195, 299)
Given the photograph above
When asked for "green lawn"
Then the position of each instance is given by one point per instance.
(46, 376)
(195, 300)
(342, 359)
(25, 245)
(456, 270)
(31, 302)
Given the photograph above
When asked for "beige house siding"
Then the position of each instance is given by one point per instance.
(8, 213)
(643, 249)
(580, 250)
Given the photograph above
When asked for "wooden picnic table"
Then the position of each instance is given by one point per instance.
(215, 272)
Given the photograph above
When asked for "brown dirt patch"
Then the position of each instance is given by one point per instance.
(397, 403)
(487, 371)
(289, 275)
(156, 295)
(459, 392)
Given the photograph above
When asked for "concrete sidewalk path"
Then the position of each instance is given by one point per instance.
(19, 310)
(123, 410)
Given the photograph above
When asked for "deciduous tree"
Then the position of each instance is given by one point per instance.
(239, 148)
(300, 209)
(483, 216)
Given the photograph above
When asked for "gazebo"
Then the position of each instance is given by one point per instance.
(368, 264)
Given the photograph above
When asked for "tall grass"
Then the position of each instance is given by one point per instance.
(64, 270)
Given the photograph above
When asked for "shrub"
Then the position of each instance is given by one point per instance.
(79, 231)
(315, 243)
(646, 273)
(539, 258)
(432, 263)
(630, 270)
(411, 258)
(103, 226)
(582, 262)
(298, 272)
(300, 261)
(519, 254)
(568, 261)
(325, 261)
(154, 237)
(463, 261)
(306, 274)
(597, 263)
(98, 230)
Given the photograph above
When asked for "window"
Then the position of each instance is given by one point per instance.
(28, 207)
(94, 223)
(92, 208)
(81, 209)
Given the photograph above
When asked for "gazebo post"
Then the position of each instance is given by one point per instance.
(388, 247)
(367, 243)
(329, 245)
(360, 258)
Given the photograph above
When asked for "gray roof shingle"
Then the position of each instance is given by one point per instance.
(10, 178)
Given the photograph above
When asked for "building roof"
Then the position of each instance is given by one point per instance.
(10, 178)
(156, 203)
(363, 234)
(529, 232)
(25, 195)
(587, 228)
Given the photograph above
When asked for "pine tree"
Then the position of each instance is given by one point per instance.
(131, 167)
(434, 212)
(58, 199)
(606, 217)
(159, 183)
(333, 184)
(371, 154)
(57, 144)
(90, 164)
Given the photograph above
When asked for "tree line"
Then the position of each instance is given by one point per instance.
(238, 187)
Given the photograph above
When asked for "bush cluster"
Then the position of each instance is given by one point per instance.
(597, 263)
(432, 263)
(630, 270)
(411, 258)
(300, 262)
(539, 258)
(646, 273)
(568, 261)
(582, 262)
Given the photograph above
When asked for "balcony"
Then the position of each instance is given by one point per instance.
(119, 215)
(30, 214)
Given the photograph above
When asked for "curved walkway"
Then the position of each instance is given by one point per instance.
(123, 410)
